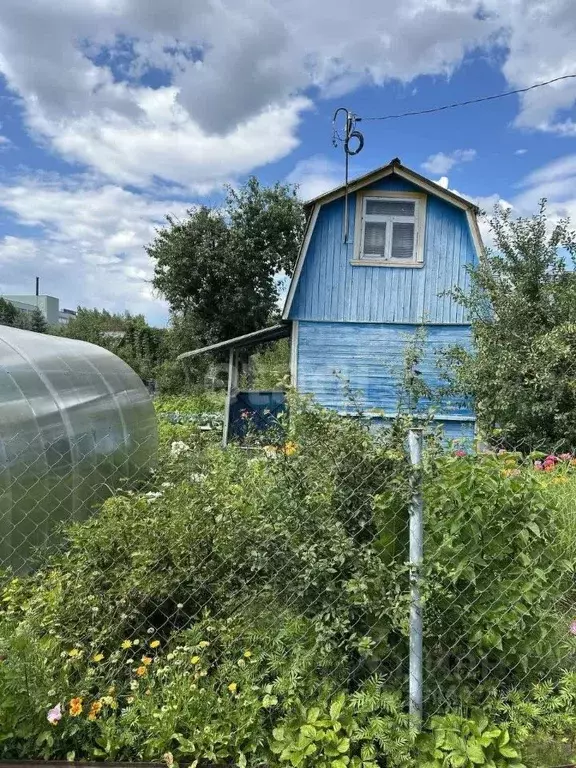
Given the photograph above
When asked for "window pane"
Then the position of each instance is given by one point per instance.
(389, 207)
(402, 241)
(375, 239)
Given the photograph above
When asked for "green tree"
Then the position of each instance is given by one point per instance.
(522, 305)
(97, 325)
(10, 314)
(37, 322)
(128, 336)
(219, 267)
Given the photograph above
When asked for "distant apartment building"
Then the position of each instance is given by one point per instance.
(48, 305)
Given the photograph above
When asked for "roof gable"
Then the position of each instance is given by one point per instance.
(395, 167)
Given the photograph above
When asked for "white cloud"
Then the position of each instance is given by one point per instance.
(229, 78)
(316, 175)
(443, 163)
(555, 181)
(520, 151)
(86, 241)
(443, 181)
(540, 46)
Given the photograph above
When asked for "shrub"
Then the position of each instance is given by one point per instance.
(497, 576)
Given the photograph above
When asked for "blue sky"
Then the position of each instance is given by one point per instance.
(114, 113)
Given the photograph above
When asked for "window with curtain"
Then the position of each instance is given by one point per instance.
(389, 230)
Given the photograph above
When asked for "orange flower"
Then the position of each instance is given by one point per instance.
(76, 706)
(95, 710)
(146, 660)
(141, 671)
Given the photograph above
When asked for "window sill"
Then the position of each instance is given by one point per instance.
(375, 263)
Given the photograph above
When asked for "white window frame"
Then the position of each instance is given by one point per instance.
(419, 221)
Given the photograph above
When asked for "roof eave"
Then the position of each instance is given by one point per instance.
(387, 170)
(246, 340)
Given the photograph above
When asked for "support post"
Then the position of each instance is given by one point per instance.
(416, 559)
(230, 392)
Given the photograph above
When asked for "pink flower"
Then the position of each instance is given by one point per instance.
(538, 465)
(551, 458)
(573, 628)
(549, 464)
(565, 456)
(460, 452)
(55, 715)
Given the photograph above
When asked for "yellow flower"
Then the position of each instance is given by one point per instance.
(95, 710)
(76, 706)
(126, 644)
(290, 448)
(155, 644)
(97, 657)
(110, 701)
(195, 660)
(130, 700)
(247, 654)
(203, 644)
(141, 671)
(146, 660)
(232, 687)
(75, 653)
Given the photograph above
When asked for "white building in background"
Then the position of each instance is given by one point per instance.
(48, 305)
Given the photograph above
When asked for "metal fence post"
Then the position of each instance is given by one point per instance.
(416, 558)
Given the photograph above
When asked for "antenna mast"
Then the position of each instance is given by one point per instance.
(352, 142)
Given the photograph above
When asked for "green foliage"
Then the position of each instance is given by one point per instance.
(496, 575)
(459, 742)
(93, 324)
(128, 336)
(354, 731)
(522, 305)
(218, 266)
(542, 719)
(11, 315)
(270, 367)
(37, 322)
(251, 608)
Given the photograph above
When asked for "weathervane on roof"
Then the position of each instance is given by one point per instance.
(352, 141)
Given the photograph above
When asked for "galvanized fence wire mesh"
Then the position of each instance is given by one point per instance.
(292, 569)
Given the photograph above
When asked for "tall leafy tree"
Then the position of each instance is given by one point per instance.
(220, 266)
(521, 371)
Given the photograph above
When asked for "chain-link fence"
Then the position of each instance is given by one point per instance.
(313, 597)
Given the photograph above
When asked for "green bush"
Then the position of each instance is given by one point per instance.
(497, 576)
(459, 742)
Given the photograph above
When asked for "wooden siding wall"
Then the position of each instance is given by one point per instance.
(370, 357)
(331, 289)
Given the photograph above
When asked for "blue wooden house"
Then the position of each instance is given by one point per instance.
(375, 269)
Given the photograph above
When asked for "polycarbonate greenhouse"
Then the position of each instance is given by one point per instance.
(76, 422)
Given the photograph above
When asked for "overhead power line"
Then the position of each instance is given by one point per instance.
(469, 101)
